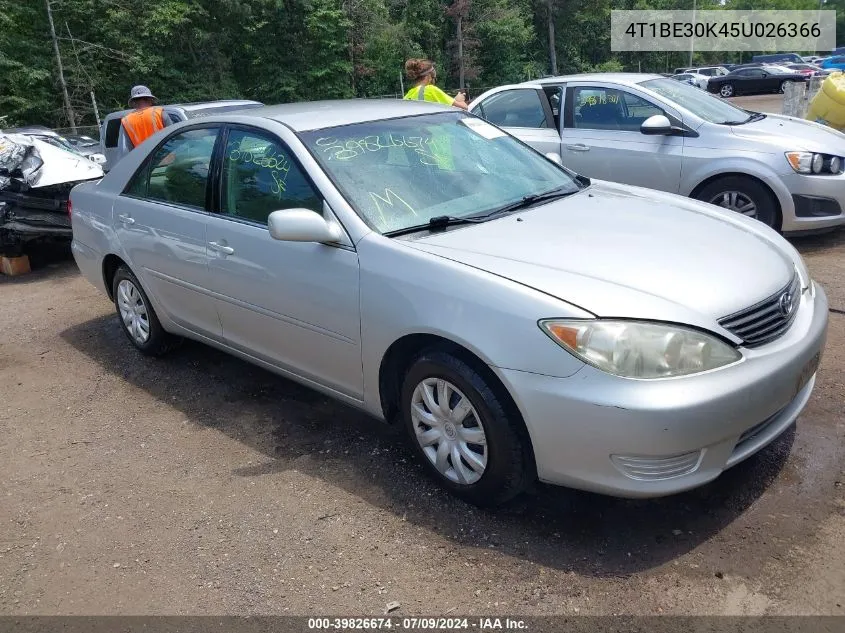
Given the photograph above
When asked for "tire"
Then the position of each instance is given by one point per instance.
(727, 90)
(721, 193)
(507, 462)
(782, 87)
(137, 318)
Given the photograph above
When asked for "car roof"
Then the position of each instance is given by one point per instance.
(31, 129)
(314, 115)
(621, 78)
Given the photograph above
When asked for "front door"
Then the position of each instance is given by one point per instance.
(292, 304)
(602, 138)
(160, 221)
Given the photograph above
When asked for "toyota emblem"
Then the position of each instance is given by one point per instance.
(785, 303)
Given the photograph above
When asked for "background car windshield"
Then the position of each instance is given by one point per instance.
(700, 103)
(399, 173)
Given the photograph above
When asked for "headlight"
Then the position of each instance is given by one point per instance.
(634, 349)
(810, 163)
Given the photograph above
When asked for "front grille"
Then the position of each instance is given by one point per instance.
(767, 320)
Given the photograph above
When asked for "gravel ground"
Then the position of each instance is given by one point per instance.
(198, 484)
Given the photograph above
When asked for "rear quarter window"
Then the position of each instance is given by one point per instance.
(112, 132)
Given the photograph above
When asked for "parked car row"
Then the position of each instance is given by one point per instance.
(521, 321)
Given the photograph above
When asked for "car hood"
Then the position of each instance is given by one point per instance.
(792, 134)
(628, 252)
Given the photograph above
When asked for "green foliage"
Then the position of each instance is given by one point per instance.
(287, 50)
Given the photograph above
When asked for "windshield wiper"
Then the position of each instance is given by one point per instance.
(435, 223)
(528, 201)
(752, 116)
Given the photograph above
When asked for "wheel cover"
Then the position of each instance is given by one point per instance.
(449, 431)
(735, 201)
(133, 311)
(726, 91)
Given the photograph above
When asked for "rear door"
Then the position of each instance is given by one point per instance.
(602, 137)
(160, 220)
(524, 112)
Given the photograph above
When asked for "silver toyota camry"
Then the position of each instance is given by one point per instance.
(520, 321)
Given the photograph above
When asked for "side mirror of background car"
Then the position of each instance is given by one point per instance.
(657, 124)
(301, 225)
(554, 157)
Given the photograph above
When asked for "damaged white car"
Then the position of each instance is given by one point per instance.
(35, 183)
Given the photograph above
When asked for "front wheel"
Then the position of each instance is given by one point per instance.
(743, 195)
(727, 90)
(463, 430)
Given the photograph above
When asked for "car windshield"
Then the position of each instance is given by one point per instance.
(697, 101)
(400, 173)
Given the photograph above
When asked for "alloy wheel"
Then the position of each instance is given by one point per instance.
(133, 311)
(735, 201)
(449, 430)
(727, 90)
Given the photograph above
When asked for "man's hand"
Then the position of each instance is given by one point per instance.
(461, 98)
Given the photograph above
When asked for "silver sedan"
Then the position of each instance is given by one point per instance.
(522, 322)
(656, 132)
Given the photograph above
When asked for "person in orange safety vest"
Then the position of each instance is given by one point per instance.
(146, 120)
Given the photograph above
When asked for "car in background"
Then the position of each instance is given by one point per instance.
(708, 71)
(520, 321)
(778, 57)
(754, 80)
(650, 131)
(55, 139)
(834, 63)
(812, 70)
(110, 127)
(87, 146)
(693, 79)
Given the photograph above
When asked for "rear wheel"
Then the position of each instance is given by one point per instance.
(745, 196)
(137, 317)
(783, 84)
(463, 430)
(727, 90)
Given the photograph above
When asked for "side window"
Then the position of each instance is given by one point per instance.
(637, 110)
(260, 176)
(178, 170)
(516, 108)
(609, 109)
(112, 132)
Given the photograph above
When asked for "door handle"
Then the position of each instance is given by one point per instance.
(578, 147)
(126, 219)
(226, 250)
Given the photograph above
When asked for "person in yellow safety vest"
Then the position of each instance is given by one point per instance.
(423, 74)
(136, 127)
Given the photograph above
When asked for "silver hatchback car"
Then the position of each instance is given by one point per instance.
(422, 265)
(656, 132)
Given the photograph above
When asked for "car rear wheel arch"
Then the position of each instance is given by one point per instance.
(404, 352)
(705, 184)
(110, 265)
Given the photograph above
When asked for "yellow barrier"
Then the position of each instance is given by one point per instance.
(828, 106)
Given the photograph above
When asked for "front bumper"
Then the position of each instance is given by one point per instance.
(712, 420)
(817, 193)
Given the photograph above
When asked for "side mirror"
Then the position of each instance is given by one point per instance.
(555, 158)
(301, 225)
(657, 124)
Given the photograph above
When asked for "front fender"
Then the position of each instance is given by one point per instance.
(692, 178)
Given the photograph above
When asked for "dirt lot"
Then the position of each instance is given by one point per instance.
(200, 484)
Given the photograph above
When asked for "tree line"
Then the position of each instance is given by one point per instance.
(290, 50)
